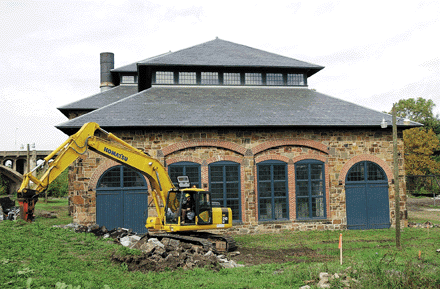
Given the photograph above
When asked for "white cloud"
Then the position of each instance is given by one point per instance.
(375, 52)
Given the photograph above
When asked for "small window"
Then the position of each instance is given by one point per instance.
(295, 79)
(187, 78)
(164, 77)
(253, 79)
(129, 79)
(231, 79)
(274, 79)
(210, 78)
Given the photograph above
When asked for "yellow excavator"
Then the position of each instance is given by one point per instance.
(181, 212)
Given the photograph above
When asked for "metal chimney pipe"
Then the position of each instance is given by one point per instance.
(107, 60)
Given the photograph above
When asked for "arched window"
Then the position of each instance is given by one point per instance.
(190, 169)
(272, 190)
(310, 189)
(224, 185)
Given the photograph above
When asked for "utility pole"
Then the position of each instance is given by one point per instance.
(396, 178)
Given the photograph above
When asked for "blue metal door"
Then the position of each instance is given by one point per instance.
(122, 199)
(367, 202)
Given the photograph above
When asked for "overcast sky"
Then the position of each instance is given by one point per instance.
(374, 52)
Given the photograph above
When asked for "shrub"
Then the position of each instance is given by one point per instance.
(59, 187)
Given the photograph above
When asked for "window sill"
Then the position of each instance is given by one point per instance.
(312, 220)
(274, 221)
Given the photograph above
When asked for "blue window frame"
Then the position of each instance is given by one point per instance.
(190, 169)
(272, 191)
(310, 189)
(224, 185)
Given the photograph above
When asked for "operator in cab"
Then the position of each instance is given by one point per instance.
(187, 206)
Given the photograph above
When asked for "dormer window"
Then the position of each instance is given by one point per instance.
(210, 78)
(295, 79)
(187, 78)
(128, 79)
(274, 79)
(231, 78)
(164, 77)
(253, 79)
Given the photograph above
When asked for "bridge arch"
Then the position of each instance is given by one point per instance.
(14, 177)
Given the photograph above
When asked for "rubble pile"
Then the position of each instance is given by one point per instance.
(8, 210)
(158, 254)
(426, 224)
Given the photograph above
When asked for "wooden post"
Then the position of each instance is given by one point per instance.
(396, 178)
(340, 248)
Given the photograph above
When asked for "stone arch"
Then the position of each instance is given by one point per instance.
(290, 142)
(260, 159)
(365, 157)
(183, 159)
(234, 159)
(15, 178)
(204, 143)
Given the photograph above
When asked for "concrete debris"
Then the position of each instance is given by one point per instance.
(8, 210)
(158, 254)
(425, 225)
(325, 279)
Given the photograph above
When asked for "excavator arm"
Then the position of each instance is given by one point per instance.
(92, 137)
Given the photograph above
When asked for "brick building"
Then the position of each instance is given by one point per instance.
(243, 124)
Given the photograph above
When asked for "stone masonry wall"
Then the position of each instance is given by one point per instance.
(338, 149)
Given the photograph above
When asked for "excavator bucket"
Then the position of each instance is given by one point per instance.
(27, 200)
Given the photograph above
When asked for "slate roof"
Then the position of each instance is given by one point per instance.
(200, 106)
(100, 99)
(132, 67)
(228, 54)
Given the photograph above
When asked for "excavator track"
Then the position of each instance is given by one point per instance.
(214, 242)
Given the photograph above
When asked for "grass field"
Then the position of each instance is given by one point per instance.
(39, 256)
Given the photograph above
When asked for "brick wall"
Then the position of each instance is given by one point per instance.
(338, 149)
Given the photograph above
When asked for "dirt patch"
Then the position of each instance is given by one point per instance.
(255, 256)
(422, 204)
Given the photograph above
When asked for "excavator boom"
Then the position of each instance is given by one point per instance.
(178, 210)
(91, 136)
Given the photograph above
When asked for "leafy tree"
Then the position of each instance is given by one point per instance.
(420, 110)
(4, 185)
(419, 149)
(59, 187)
(420, 143)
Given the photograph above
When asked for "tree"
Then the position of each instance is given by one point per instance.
(420, 110)
(420, 143)
(419, 149)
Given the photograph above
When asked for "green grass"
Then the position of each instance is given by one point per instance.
(39, 255)
(58, 205)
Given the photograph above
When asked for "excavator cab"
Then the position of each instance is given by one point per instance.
(188, 207)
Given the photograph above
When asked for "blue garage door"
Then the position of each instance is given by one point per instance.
(366, 189)
(122, 199)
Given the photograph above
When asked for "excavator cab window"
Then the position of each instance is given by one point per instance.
(203, 208)
(172, 208)
(193, 207)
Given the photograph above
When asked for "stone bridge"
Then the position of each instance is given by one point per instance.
(14, 164)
